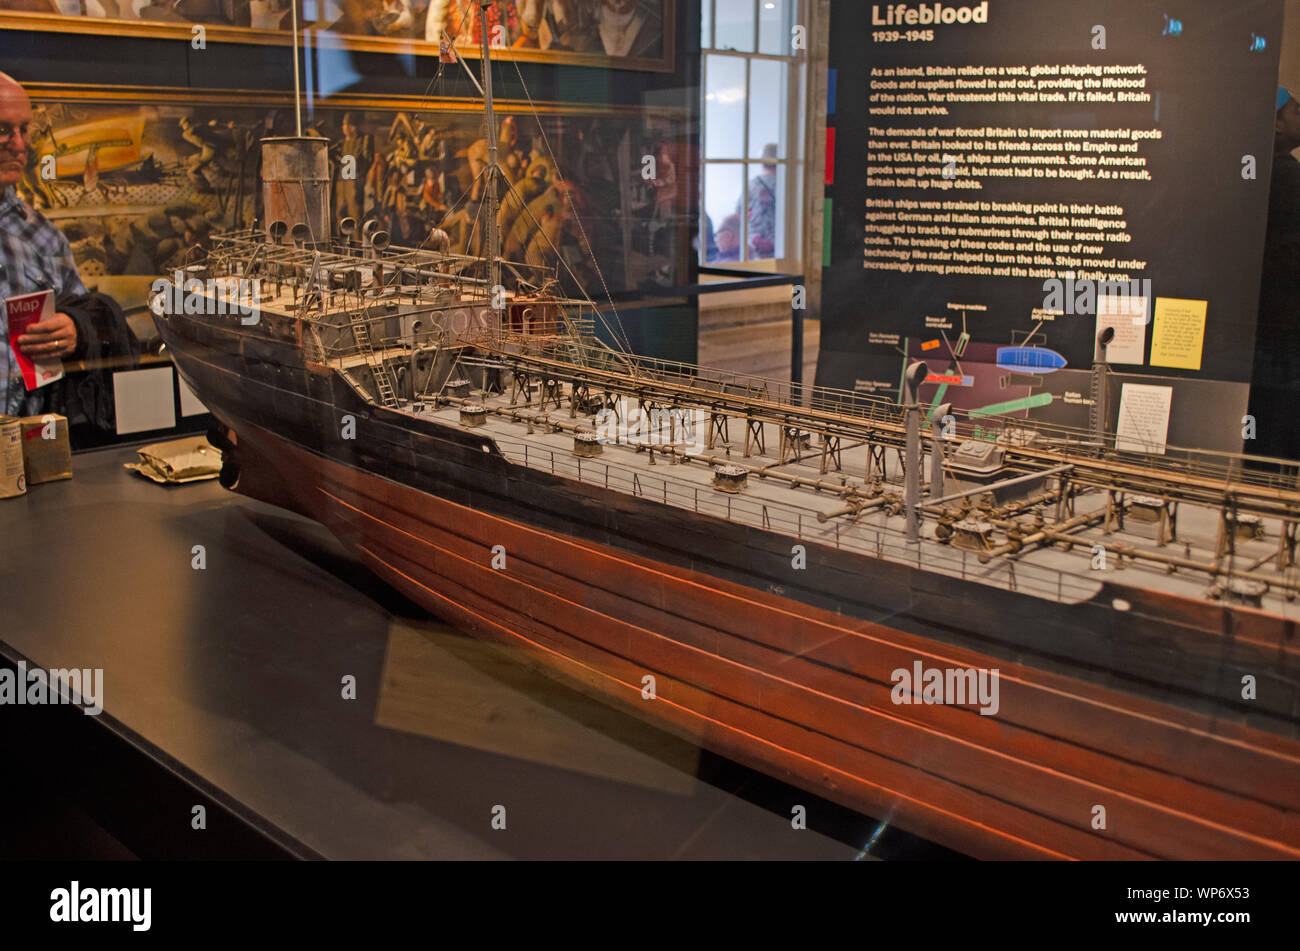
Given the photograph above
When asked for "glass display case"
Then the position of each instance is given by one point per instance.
(391, 514)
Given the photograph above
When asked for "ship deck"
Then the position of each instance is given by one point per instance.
(832, 498)
(671, 476)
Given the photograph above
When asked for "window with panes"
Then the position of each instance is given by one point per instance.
(753, 74)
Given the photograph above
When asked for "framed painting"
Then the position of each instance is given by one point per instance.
(138, 178)
(613, 34)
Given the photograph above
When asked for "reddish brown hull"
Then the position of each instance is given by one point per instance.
(804, 693)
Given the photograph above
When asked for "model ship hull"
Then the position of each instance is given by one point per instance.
(790, 671)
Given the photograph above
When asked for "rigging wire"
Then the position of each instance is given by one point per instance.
(631, 364)
(615, 328)
(455, 207)
(469, 241)
(568, 196)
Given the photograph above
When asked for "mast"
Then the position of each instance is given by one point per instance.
(494, 238)
(297, 73)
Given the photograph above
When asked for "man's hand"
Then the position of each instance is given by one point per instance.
(48, 339)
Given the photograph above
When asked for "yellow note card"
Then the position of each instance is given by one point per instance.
(1178, 333)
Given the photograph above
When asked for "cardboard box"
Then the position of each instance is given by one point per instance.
(47, 455)
(12, 479)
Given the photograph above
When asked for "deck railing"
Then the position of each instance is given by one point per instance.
(800, 524)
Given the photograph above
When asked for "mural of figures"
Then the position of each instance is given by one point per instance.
(631, 34)
(137, 189)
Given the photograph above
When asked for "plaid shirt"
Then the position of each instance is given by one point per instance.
(34, 256)
(762, 214)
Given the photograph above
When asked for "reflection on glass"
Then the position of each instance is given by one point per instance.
(766, 207)
(735, 25)
(723, 196)
(558, 29)
(724, 107)
(706, 25)
(767, 99)
(775, 21)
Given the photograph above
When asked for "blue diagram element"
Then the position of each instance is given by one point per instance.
(1257, 43)
(1172, 27)
(1030, 359)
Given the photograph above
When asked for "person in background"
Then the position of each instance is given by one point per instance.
(728, 239)
(628, 27)
(663, 206)
(463, 23)
(762, 207)
(213, 139)
(710, 240)
(479, 152)
(1275, 382)
(392, 206)
(350, 193)
(34, 256)
(558, 25)
(431, 202)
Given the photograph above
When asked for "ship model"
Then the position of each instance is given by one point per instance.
(796, 578)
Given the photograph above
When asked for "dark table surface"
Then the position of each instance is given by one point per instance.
(237, 671)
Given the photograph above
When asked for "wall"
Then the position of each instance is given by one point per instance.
(244, 72)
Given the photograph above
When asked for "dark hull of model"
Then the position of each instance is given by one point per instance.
(790, 670)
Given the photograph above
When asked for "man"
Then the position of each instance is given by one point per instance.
(463, 24)
(34, 256)
(431, 203)
(762, 207)
(629, 28)
(728, 240)
(374, 17)
(350, 193)
(1275, 385)
(557, 25)
(212, 139)
(478, 154)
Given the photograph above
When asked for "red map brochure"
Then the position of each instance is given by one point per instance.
(22, 311)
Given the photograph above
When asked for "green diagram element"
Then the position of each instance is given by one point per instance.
(1012, 406)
